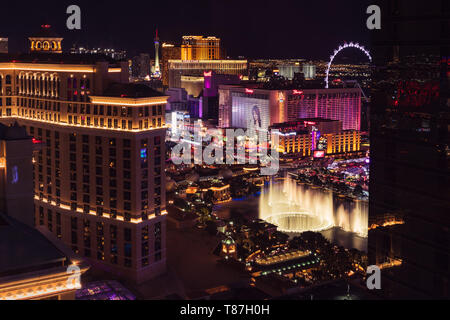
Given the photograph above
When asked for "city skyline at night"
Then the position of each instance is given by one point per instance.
(132, 28)
(225, 151)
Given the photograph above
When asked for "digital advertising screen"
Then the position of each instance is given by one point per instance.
(250, 113)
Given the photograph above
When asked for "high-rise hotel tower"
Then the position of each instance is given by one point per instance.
(99, 182)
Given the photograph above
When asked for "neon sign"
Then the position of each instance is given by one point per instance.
(297, 92)
(315, 135)
(250, 91)
(319, 154)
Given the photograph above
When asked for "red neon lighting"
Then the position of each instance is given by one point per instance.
(248, 90)
(309, 123)
(45, 26)
(413, 93)
(207, 74)
(319, 154)
(35, 141)
(297, 91)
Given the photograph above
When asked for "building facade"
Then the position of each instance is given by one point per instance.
(180, 100)
(309, 71)
(212, 81)
(288, 70)
(168, 52)
(315, 137)
(200, 48)
(409, 150)
(141, 66)
(16, 173)
(197, 68)
(99, 181)
(276, 106)
(32, 267)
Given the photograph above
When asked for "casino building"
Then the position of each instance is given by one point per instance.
(99, 179)
(200, 48)
(236, 104)
(316, 137)
(186, 66)
(190, 73)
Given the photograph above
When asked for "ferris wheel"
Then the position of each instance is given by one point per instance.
(342, 47)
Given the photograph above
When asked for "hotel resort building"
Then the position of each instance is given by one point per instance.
(99, 181)
(239, 105)
(316, 137)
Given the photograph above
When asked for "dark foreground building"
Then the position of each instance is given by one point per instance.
(409, 187)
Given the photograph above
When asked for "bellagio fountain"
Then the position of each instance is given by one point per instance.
(296, 208)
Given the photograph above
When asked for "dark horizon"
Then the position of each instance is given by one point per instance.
(292, 29)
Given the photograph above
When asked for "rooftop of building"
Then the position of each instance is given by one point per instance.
(200, 37)
(303, 125)
(24, 249)
(285, 85)
(130, 90)
(310, 121)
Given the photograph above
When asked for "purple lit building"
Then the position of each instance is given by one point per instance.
(277, 106)
(212, 81)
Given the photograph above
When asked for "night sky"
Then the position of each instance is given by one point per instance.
(254, 29)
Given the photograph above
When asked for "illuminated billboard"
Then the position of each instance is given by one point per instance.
(251, 113)
(319, 154)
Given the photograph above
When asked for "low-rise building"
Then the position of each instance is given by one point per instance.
(315, 137)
